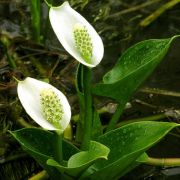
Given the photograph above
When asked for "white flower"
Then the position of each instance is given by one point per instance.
(76, 35)
(45, 104)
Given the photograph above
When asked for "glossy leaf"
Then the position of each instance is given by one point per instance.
(40, 144)
(134, 66)
(82, 160)
(143, 158)
(126, 144)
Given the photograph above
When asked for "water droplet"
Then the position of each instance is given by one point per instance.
(131, 134)
(123, 143)
(152, 51)
(118, 138)
(124, 131)
(139, 126)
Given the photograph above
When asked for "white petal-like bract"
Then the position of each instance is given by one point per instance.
(63, 20)
(29, 92)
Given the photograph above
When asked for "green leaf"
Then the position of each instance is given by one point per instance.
(41, 145)
(143, 158)
(134, 66)
(126, 144)
(82, 160)
(96, 151)
(97, 129)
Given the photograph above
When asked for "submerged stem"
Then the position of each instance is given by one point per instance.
(163, 161)
(41, 175)
(148, 20)
(88, 108)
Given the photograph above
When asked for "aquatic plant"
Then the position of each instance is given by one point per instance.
(106, 155)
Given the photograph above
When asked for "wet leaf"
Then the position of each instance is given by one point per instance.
(41, 145)
(126, 144)
(134, 66)
(82, 160)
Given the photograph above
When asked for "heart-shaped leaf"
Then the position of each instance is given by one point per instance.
(41, 145)
(82, 160)
(126, 144)
(134, 66)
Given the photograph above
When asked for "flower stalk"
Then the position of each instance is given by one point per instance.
(88, 108)
(79, 39)
(59, 149)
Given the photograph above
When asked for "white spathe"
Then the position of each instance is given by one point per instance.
(29, 94)
(63, 20)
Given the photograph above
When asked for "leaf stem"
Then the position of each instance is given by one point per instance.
(88, 108)
(59, 153)
(115, 117)
(163, 161)
(159, 92)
